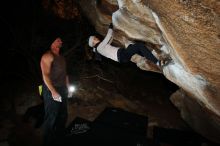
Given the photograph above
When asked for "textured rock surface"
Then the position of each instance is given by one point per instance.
(189, 31)
(195, 115)
(66, 9)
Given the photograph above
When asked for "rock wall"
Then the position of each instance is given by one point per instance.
(189, 32)
(66, 9)
(191, 29)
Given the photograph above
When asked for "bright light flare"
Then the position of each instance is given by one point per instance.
(72, 88)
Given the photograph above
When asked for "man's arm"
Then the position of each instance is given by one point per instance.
(45, 64)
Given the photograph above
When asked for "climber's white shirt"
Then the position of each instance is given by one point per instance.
(106, 49)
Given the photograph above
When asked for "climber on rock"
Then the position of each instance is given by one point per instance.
(122, 55)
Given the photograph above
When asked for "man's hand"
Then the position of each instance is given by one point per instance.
(70, 94)
(56, 96)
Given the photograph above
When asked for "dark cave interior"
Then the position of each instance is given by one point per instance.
(100, 84)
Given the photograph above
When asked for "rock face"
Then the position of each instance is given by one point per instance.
(189, 32)
(66, 9)
(186, 30)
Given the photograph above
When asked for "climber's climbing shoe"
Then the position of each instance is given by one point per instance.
(165, 62)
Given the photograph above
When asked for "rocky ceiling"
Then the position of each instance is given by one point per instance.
(187, 30)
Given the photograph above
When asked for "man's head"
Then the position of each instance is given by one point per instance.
(93, 40)
(56, 45)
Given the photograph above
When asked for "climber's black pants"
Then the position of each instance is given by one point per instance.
(124, 55)
(55, 115)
